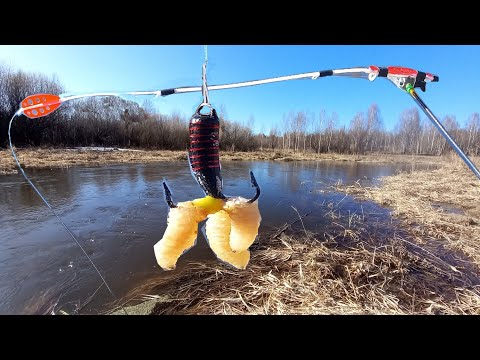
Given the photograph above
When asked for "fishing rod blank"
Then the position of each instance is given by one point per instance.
(38, 105)
(406, 79)
(443, 131)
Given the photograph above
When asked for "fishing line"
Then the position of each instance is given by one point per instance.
(206, 101)
(53, 211)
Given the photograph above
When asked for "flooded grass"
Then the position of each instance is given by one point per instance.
(64, 158)
(440, 206)
(343, 273)
(425, 262)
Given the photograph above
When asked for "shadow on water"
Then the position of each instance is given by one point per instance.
(118, 213)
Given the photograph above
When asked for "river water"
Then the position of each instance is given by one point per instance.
(118, 213)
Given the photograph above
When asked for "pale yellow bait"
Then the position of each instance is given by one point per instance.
(218, 229)
(182, 229)
(180, 235)
(245, 219)
(231, 228)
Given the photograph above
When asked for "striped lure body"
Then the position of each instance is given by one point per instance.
(232, 223)
(203, 153)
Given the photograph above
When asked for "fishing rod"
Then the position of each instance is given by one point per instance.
(35, 106)
(442, 130)
(404, 78)
(47, 103)
(409, 79)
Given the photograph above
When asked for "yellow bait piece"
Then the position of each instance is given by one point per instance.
(180, 235)
(209, 204)
(245, 218)
(218, 229)
(231, 227)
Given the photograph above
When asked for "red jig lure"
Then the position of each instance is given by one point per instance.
(203, 153)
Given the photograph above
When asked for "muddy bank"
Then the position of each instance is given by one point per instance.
(55, 158)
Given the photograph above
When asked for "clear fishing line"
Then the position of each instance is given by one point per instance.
(53, 211)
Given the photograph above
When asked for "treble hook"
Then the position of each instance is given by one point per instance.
(255, 185)
(168, 196)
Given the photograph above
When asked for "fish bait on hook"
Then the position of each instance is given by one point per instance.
(203, 152)
(232, 224)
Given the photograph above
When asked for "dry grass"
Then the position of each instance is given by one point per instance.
(8, 172)
(54, 158)
(310, 276)
(442, 205)
(349, 269)
(310, 156)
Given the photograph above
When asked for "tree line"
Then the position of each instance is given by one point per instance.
(365, 134)
(116, 122)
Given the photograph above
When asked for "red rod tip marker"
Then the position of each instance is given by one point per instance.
(35, 106)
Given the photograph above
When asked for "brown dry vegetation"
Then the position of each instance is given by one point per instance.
(428, 264)
(54, 158)
(323, 274)
(440, 205)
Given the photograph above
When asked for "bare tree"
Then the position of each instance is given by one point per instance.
(408, 130)
(331, 123)
(273, 138)
(16, 86)
(373, 128)
(473, 137)
(358, 130)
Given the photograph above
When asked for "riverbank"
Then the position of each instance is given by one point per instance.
(436, 205)
(428, 264)
(61, 158)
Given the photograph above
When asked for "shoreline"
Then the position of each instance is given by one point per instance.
(429, 264)
(38, 158)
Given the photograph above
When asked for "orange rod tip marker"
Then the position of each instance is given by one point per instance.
(35, 106)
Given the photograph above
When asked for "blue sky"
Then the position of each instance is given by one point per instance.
(82, 68)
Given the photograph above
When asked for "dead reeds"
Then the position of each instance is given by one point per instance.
(351, 268)
(62, 158)
(440, 206)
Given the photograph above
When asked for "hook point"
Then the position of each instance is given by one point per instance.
(255, 185)
(168, 195)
